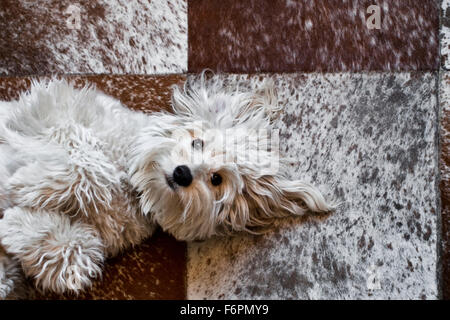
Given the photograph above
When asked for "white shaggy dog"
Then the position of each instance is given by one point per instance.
(82, 177)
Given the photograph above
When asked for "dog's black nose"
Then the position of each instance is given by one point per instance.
(182, 176)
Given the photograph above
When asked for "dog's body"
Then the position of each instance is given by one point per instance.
(82, 177)
(64, 179)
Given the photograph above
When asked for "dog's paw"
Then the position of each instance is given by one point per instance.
(9, 272)
(67, 267)
(59, 254)
(6, 286)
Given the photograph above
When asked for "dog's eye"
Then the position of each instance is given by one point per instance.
(197, 144)
(216, 179)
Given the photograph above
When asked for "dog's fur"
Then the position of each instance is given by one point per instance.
(82, 177)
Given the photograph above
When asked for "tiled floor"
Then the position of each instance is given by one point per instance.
(366, 115)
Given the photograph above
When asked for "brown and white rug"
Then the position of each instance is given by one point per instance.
(366, 97)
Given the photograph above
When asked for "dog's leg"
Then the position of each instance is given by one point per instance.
(59, 254)
(5, 109)
(59, 185)
(67, 171)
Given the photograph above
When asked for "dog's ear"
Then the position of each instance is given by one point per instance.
(272, 197)
(225, 106)
(261, 108)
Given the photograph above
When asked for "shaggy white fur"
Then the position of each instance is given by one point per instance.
(82, 177)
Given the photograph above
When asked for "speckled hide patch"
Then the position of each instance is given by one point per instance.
(82, 36)
(287, 36)
(445, 34)
(370, 141)
(157, 268)
(445, 180)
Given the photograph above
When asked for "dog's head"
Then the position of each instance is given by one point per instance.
(212, 166)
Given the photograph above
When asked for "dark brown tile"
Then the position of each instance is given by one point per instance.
(157, 268)
(303, 35)
(145, 93)
(445, 182)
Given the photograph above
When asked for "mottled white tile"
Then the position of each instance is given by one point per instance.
(82, 36)
(369, 140)
(445, 34)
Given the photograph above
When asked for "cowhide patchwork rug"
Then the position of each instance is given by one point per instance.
(366, 96)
